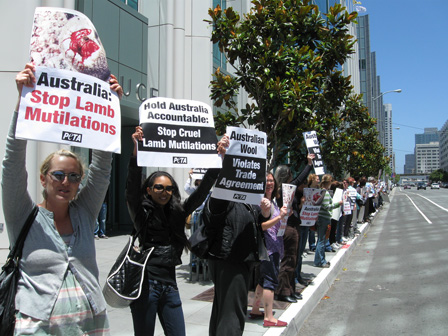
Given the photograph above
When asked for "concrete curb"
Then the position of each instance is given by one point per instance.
(297, 313)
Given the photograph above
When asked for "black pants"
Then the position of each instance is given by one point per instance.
(231, 280)
(286, 282)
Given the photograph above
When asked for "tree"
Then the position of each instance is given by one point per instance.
(286, 56)
(439, 175)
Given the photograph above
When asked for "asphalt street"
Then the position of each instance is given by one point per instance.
(394, 282)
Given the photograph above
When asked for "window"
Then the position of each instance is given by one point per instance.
(218, 58)
(131, 3)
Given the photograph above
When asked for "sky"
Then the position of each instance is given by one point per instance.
(410, 40)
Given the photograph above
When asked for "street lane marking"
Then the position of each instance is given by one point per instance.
(421, 213)
(444, 209)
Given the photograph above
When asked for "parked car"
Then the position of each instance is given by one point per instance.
(435, 186)
(421, 185)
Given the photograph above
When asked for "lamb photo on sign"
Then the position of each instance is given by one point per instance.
(71, 102)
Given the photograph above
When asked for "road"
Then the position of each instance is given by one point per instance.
(395, 282)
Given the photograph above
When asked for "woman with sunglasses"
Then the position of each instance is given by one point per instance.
(158, 214)
(58, 292)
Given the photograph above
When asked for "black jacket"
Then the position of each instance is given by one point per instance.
(232, 229)
(162, 224)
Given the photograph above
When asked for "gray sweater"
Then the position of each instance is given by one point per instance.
(45, 258)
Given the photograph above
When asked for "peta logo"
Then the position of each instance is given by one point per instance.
(240, 197)
(69, 136)
(179, 160)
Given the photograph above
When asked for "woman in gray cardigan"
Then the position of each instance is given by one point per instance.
(58, 291)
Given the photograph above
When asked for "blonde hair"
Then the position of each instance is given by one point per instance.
(46, 164)
(326, 179)
(311, 178)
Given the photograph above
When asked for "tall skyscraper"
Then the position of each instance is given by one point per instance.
(388, 136)
(370, 82)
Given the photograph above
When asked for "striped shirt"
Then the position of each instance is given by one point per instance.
(327, 206)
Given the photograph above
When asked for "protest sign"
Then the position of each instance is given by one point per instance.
(70, 108)
(347, 204)
(177, 133)
(337, 197)
(66, 39)
(71, 102)
(288, 192)
(310, 208)
(243, 174)
(313, 148)
(198, 174)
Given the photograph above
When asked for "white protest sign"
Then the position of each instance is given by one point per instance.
(177, 133)
(313, 148)
(71, 102)
(198, 174)
(346, 204)
(337, 197)
(310, 208)
(243, 174)
(288, 191)
(70, 108)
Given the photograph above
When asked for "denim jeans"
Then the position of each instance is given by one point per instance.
(312, 240)
(303, 238)
(339, 229)
(319, 255)
(101, 221)
(158, 299)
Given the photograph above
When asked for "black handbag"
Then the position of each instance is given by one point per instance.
(125, 280)
(9, 278)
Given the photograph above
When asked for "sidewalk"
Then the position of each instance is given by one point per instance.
(197, 313)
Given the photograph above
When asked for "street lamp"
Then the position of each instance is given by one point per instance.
(397, 91)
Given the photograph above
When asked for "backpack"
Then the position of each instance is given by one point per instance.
(199, 241)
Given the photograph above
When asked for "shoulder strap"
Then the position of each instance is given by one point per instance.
(16, 251)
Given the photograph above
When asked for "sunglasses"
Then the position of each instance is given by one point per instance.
(158, 188)
(60, 176)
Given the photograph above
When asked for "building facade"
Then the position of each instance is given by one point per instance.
(388, 135)
(443, 146)
(426, 158)
(155, 48)
(409, 164)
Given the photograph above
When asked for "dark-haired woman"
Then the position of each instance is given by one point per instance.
(156, 209)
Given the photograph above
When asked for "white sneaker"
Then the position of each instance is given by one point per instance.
(335, 246)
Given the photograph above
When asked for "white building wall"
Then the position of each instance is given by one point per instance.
(426, 158)
(16, 20)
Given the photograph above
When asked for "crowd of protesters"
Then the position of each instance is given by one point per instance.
(241, 237)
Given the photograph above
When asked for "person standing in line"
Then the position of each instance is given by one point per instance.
(269, 269)
(58, 292)
(158, 214)
(323, 221)
(100, 230)
(236, 244)
(286, 290)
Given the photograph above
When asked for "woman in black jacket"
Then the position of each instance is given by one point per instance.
(158, 214)
(236, 242)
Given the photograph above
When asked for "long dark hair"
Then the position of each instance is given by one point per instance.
(174, 211)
